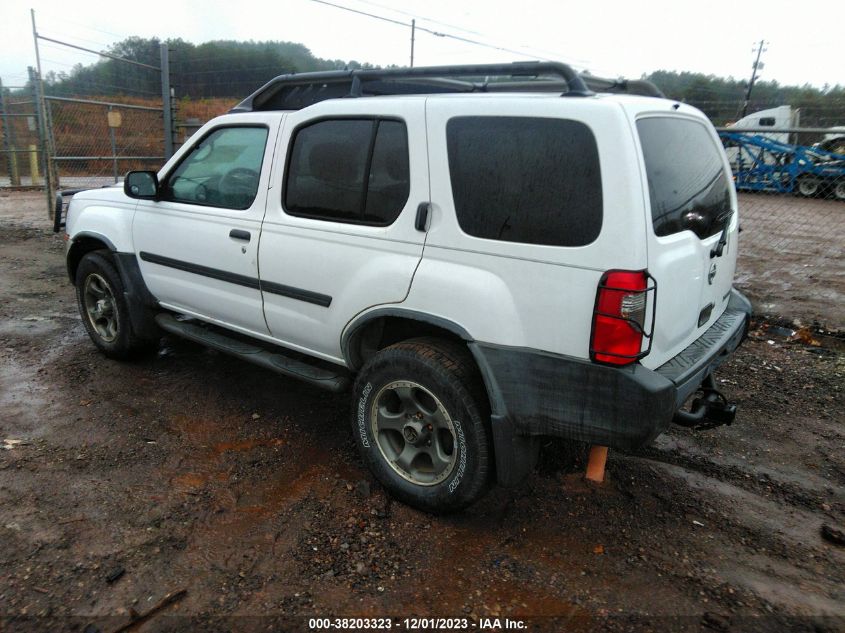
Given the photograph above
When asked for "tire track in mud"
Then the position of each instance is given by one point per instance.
(161, 467)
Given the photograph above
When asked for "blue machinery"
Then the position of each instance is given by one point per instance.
(760, 163)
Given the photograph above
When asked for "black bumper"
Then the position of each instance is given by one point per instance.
(535, 393)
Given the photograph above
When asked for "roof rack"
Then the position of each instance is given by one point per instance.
(297, 91)
(641, 87)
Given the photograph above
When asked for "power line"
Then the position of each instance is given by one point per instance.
(424, 30)
(91, 28)
(100, 53)
(54, 47)
(81, 39)
(418, 17)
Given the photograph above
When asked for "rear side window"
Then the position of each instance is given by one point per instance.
(349, 170)
(525, 179)
(687, 183)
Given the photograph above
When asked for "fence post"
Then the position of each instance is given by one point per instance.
(166, 103)
(9, 143)
(113, 144)
(40, 127)
(41, 109)
(51, 141)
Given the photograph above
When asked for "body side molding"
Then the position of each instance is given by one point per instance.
(242, 280)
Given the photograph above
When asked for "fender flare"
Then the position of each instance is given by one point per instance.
(139, 299)
(97, 236)
(362, 320)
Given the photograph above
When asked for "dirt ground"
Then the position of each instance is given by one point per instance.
(791, 253)
(190, 472)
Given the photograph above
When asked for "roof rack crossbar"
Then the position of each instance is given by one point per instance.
(295, 91)
(355, 80)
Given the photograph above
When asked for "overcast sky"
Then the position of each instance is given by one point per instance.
(608, 37)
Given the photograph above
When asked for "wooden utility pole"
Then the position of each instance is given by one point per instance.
(413, 29)
(757, 66)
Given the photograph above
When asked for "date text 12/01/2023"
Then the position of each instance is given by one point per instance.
(417, 624)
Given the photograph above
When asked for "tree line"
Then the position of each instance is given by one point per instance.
(234, 69)
(722, 99)
(213, 69)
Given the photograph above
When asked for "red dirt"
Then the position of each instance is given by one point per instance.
(187, 469)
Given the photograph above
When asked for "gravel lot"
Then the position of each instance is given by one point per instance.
(189, 472)
(791, 257)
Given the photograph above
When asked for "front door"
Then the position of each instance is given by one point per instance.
(198, 245)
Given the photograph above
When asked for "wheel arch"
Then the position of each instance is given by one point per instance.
(141, 302)
(83, 243)
(376, 329)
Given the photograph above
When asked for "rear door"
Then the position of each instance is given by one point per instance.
(690, 201)
(339, 236)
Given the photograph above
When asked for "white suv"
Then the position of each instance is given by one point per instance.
(487, 254)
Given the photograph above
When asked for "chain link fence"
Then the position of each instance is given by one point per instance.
(791, 189)
(791, 257)
(21, 159)
(96, 142)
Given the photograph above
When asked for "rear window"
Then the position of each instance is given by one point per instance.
(687, 182)
(525, 179)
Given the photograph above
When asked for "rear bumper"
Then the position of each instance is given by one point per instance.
(688, 369)
(535, 393)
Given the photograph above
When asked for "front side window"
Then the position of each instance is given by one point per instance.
(349, 170)
(222, 170)
(525, 179)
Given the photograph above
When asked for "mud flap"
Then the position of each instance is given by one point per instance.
(140, 302)
(516, 455)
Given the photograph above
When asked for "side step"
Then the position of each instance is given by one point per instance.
(329, 379)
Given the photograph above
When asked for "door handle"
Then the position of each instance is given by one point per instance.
(239, 234)
(422, 216)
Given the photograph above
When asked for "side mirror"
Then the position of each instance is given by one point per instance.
(141, 185)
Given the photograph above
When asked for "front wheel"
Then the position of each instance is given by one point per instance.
(420, 421)
(103, 307)
(839, 190)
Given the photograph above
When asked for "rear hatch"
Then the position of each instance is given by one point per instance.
(690, 202)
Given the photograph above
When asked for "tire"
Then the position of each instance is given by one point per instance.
(421, 423)
(808, 186)
(839, 190)
(104, 309)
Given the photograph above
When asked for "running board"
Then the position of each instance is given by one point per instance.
(331, 380)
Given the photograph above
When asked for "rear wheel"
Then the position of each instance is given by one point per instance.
(839, 190)
(103, 307)
(421, 424)
(808, 186)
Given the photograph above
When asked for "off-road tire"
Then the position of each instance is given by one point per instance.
(447, 371)
(97, 267)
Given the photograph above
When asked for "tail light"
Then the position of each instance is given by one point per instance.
(619, 318)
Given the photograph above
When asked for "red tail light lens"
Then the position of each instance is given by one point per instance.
(619, 317)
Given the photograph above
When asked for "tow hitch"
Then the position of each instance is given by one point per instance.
(709, 410)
